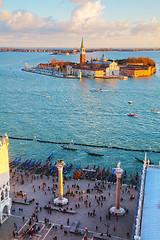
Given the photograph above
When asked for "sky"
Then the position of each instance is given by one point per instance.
(63, 23)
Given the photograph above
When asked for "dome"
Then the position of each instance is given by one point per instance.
(103, 58)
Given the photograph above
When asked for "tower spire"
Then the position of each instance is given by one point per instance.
(82, 53)
(82, 43)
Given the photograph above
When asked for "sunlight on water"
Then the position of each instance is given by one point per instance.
(74, 112)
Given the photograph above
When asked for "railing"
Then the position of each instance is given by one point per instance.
(138, 219)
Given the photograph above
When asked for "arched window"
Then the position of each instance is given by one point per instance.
(2, 195)
(6, 193)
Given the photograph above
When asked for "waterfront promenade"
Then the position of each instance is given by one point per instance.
(87, 211)
(64, 75)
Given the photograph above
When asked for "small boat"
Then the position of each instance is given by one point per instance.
(68, 169)
(95, 154)
(47, 96)
(50, 157)
(98, 90)
(12, 162)
(142, 161)
(130, 102)
(132, 115)
(15, 163)
(68, 148)
(155, 111)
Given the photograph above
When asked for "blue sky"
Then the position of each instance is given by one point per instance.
(62, 23)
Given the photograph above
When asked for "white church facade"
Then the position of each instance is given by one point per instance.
(5, 200)
(94, 68)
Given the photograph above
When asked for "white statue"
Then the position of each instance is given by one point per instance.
(118, 164)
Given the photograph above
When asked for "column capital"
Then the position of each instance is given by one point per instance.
(60, 163)
(118, 172)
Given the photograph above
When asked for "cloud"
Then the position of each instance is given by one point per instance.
(1, 4)
(23, 21)
(82, 16)
(80, 1)
(23, 27)
(88, 12)
(141, 27)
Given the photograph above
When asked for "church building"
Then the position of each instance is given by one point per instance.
(92, 68)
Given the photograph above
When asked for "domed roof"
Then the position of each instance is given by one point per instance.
(103, 58)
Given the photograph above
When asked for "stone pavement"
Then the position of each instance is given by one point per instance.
(90, 202)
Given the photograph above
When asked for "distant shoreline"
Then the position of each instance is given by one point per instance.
(56, 51)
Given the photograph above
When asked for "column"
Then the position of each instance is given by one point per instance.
(60, 181)
(118, 190)
(117, 210)
(60, 200)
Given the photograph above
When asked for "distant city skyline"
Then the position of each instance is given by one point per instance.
(63, 23)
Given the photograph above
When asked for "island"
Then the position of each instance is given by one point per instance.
(97, 68)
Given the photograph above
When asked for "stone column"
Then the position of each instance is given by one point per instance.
(60, 200)
(117, 209)
(118, 189)
(60, 180)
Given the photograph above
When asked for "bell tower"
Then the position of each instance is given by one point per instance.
(82, 53)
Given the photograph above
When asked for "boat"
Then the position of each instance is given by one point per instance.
(130, 102)
(47, 96)
(95, 154)
(23, 164)
(155, 111)
(98, 90)
(15, 163)
(124, 77)
(69, 148)
(12, 162)
(132, 115)
(50, 157)
(142, 161)
(68, 169)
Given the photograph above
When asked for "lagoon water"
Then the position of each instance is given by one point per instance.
(75, 113)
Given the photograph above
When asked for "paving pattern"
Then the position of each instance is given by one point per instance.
(90, 205)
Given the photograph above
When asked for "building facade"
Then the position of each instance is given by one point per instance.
(5, 200)
(93, 68)
(137, 70)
